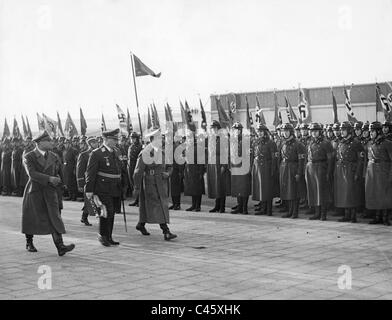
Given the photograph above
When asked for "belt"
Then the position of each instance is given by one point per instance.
(378, 161)
(109, 175)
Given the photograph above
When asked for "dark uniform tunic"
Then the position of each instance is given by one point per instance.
(264, 174)
(42, 201)
(81, 167)
(133, 153)
(292, 158)
(16, 168)
(241, 183)
(316, 171)
(70, 158)
(348, 172)
(6, 169)
(194, 177)
(378, 180)
(176, 178)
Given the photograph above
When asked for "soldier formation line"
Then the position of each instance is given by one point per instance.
(344, 169)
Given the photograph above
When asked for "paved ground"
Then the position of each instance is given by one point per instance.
(216, 256)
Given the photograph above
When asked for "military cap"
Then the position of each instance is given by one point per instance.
(375, 126)
(111, 133)
(346, 125)
(262, 127)
(387, 124)
(237, 125)
(62, 139)
(314, 126)
(365, 126)
(91, 139)
(15, 139)
(304, 126)
(329, 127)
(42, 137)
(287, 126)
(358, 125)
(336, 126)
(75, 138)
(134, 135)
(215, 124)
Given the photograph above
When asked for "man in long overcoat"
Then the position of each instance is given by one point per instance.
(42, 203)
(16, 167)
(133, 153)
(70, 155)
(6, 168)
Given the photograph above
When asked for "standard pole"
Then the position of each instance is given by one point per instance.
(137, 101)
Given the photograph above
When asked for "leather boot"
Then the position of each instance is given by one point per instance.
(193, 207)
(317, 213)
(323, 213)
(268, 208)
(110, 239)
(217, 205)
(103, 240)
(289, 204)
(295, 209)
(262, 209)
(167, 235)
(198, 204)
(386, 217)
(222, 205)
(29, 244)
(84, 218)
(62, 249)
(377, 217)
(239, 206)
(347, 216)
(141, 227)
(245, 205)
(353, 215)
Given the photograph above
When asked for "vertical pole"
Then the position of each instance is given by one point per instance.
(137, 101)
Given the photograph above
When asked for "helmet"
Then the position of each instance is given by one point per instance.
(336, 126)
(237, 125)
(215, 124)
(387, 124)
(287, 126)
(358, 125)
(314, 126)
(365, 126)
(346, 126)
(329, 127)
(375, 126)
(304, 126)
(262, 127)
(134, 135)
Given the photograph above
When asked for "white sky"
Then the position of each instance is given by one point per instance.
(60, 55)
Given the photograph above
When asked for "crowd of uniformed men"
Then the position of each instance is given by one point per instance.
(344, 167)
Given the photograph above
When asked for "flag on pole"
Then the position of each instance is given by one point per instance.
(382, 103)
(15, 130)
(25, 131)
(155, 116)
(303, 107)
(122, 119)
(189, 119)
(70, 128)
(259, 113)
(229, 110)
(129, 123)
(41, 123)
(277, 115)
(142, 70)
(170, 117)
(223, 118)
(349, 108)
(334, 108)
(203, 117)
(389, 95)
(59, 126)
(149, 123)
(6, 130)
(50, 125)
(249, 119)
(103, 124)
(167, 117)
(28, 127)
(290, 112)
(83, 123)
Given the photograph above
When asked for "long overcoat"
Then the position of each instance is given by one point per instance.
(70, 158)
(194, 177)
(42, 201)
(6, 168)
(16, 166)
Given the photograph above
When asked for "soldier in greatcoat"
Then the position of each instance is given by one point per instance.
(348, 172)
(42, 203)
(6, 161)
(378, 180)
(150, 178)
(318, 172)
(70, 155)
(264, 170)
(291, 174)
(16, 167)
(133, 154)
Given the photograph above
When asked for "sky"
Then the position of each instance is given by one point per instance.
(60, 55)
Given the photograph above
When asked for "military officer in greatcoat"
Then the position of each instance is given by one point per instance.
(133, 153)
(81, 167)
(264, 170)
(28, 146)
(16, 167)
(42, 204)
(318, 172)
(378, 180)
(123, 151)
(291, 174)
(103, 178)
(348, 172)
(70, 155)
(218, 174)
(6, 161)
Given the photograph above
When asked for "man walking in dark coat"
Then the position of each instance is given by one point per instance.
(81, 167)
(103, 178)
(133, 153)
(42, 197)
(176, 180)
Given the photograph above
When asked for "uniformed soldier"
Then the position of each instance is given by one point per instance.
(70, 155)
(330, 136)
(218, 174)
(264, 170)
(103, 178)
(81, 167)
(28, 146)
(42, 204)
(298, 131)
(348, 172)
(387, 130)
(291, 175)
(305, 140)
(151, 186)
(176, 179)
(358, 130)
(16, 167)
(123, 151)
(365, 141)
(378, 180)
(133, 153)
(6, 160)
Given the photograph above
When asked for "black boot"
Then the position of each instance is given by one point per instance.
(386, 218)
(222, 205)
(198, 203)
(245, 205)
(347, 216)
(141, 227)
(377, 217)
(167, 235)
(323, 213)
(239, 206)
(217, 205)
(269, 207)
(353, 215)
(193, 207)
(262, 209)
(84, 218)
(289, 204)
(295, 209)
(62, 249)
(110, 239)
(317, 213)
(29, 243)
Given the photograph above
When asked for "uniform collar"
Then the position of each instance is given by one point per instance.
(108, 148)
(40, 151)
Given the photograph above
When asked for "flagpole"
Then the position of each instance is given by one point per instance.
(137, 101)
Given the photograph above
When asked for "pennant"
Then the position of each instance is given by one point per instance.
(83, 123)
(142, 70)
(303, 107)
(41, 123)
(149, 123)
(28, 127)
(25, 131)
(122, 119)
(203, 117)
(290, 112)
(382, 104)
(389, 95)
(155, 117)
(349, 108)
(6, 130)
(103, 124)
(259, 113)
(170, 117)
(70, 128)
(277, 114)
(334, 108)
(59, 126)
(249, 119)
(15, 130)
(129, 123)
(229, 110)
(50, 125)
(223, 118)
(189, 119)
